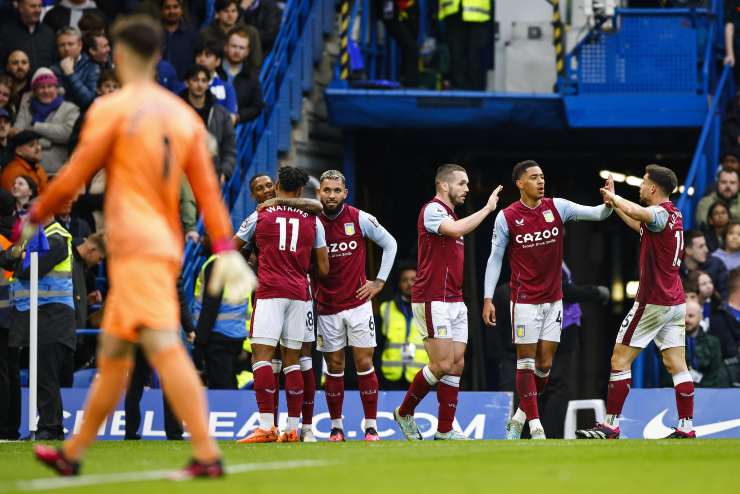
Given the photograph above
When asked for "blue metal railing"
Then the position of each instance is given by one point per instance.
(286, 74)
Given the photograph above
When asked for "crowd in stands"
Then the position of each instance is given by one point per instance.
(56, 59)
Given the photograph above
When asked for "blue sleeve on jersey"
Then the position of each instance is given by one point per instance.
(434, 215)
(570, 211)
(246, 229)
(660, 219)
(320, 240)
(495, 260)
(373, 230)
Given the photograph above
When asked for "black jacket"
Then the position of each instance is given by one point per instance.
(266, 18)
(59, 16)
(248, 95)
(724, 326)
(209, 311)
(40, 45)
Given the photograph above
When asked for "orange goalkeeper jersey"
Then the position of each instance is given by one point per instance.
(146, 138)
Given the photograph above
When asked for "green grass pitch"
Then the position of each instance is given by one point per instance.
(553, 466)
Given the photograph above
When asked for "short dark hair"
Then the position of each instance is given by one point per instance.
(89, 40)
(714, 205)
(291, 178)
(140, 33)
(31, 184)
(733, 280)
(107, 75)
(689, 237)
(211, 45)
(254, 178)
(224, 4)
(194, 70)
(662, 177)
(730, 225)
(521, 168)
(90, 22)
(444, 172)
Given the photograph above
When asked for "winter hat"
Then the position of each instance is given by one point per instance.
(43, 76)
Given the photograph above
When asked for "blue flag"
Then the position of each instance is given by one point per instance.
(37, 243)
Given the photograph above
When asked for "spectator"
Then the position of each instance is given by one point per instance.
(6, 154)
(730, 255)
(97, 48)
(78, 73)
(401, 21)
(18, 67)
(26, 147)
(45, 112)
(87, 255)
(6, 90)
(703, 352)
(77, 227)
(107, 83)
(68, 13)
(266, 16)
(700, 283)
(726, 191)
(725, 325)
(24, 190)
(56, 323)
(179, 44)
(216, 118)
(221, 328)
(92, 22)
(25, 32)
(209, 55)
(226, 18)
(467, 26)
(242, 70)
(167, 77)
(729, 161)
(715, 227)
(10, 386)
(696, 256)
(402, 348)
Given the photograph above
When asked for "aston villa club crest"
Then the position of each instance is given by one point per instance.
(549, 217)
(521, 328)
(349, 229)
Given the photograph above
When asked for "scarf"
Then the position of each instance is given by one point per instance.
(41, 111)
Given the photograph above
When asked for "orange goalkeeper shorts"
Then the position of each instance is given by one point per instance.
(142, 295)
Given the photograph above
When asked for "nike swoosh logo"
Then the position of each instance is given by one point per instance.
(656, 429)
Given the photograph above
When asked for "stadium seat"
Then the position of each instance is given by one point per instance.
(569, 432)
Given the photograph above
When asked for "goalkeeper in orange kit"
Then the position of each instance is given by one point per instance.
(145, 138)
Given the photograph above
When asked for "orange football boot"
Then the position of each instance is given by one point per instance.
(289, 437)
(260, 436)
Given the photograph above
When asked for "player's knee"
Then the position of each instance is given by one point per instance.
(334, 363)
(442, 367)
(363, 363)
(619, 363)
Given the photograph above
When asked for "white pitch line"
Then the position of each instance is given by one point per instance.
(118, 478)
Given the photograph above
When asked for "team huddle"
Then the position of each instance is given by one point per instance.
(314, 251)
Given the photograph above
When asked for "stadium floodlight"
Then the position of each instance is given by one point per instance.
(617, 177)
(632, 287)
(634, 181)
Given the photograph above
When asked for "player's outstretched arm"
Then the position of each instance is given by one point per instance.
(311, 206)
(375, 232)
(463, 226)
(632, 214)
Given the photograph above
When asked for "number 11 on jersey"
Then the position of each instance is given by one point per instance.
(679, 248)
(283, 223)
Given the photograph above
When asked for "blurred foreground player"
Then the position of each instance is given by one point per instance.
(437, 300)
(659, 312)
(145, 138)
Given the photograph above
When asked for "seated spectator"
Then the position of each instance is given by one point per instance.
(26, 147)
(24, 190)
(209, 55)
(107, 83)
(45, 112)
(703, 352)
(78, 74)
(68, 13)
(216, 118)
(225, 19)
(729, 161)
(696, 257)
(725, 325)
(726, 191)
(18, 67)
(76, 226)
(6, 155)
(715, 227)
(167, 77)
(241, 65)
(25, 32)
(180, 38)
(92, 22)
(730, 255)
(6, 90)
(700, 283)
(266, 16)
(97, 48)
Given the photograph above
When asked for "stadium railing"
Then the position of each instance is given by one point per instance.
(286, 74)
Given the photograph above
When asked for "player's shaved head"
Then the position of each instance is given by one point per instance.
(446, 172)
(662, 177)
(291, 178)
(139, 33)
(521, 168)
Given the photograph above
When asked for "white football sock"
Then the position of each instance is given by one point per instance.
(267, 421)
(337, 424)
(535, 424)
(520, 416)
(686, 425)
(612, 421)
(293, 423)
(371, 423)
